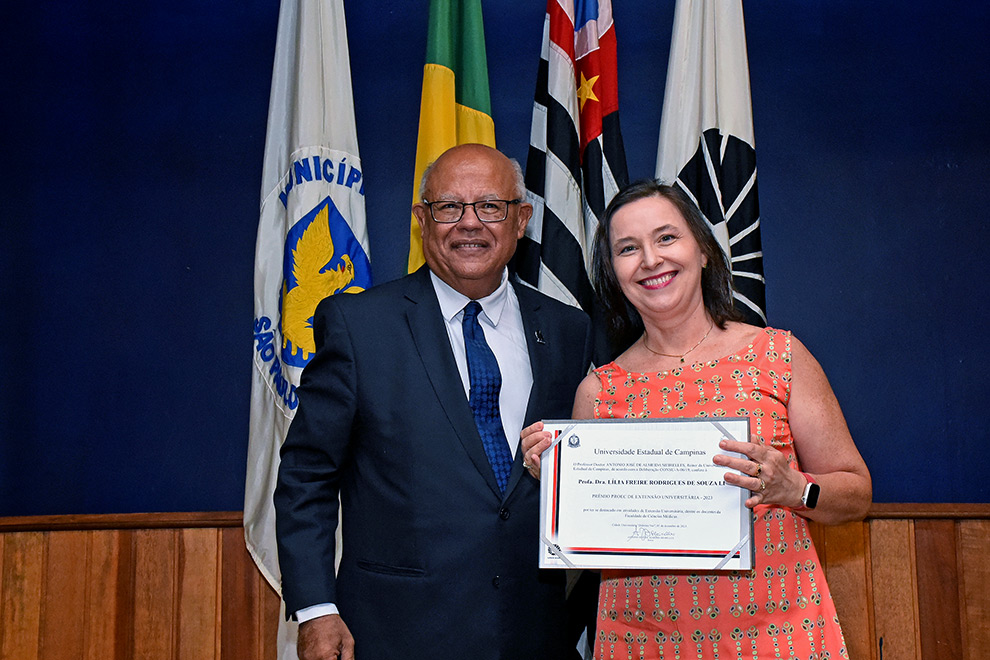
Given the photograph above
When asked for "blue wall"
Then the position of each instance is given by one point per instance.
(132, 156)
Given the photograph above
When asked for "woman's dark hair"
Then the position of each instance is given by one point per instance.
(624, 323)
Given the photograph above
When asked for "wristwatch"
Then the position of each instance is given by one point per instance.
(809, 499)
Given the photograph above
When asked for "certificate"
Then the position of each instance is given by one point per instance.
(642, 494)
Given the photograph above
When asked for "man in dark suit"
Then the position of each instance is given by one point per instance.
(440, 525)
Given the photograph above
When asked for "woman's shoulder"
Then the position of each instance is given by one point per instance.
(735, 339)
(753, 332)
(604, 371)
(742, 342)
(753, 336)
(587, 392)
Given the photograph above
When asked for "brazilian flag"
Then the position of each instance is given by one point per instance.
(456, 106)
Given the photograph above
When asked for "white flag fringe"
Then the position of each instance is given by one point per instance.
(312, 242)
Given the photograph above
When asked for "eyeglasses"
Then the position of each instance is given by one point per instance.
(487, 210)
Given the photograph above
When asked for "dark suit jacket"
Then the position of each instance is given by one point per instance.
(436, 563)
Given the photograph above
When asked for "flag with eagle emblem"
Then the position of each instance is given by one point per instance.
(312, 243)
(706, 137)
(576, 160)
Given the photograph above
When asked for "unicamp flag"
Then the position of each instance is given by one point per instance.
(312, 242)
(707, 144)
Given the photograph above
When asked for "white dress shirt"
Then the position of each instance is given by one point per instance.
(501, 321)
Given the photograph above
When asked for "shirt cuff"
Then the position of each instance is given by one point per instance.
(315, 611)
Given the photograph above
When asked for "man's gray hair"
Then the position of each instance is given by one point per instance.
(517, 172)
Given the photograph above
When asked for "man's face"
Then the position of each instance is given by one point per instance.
(469, 255)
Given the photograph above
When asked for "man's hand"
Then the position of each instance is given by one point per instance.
(325, 638)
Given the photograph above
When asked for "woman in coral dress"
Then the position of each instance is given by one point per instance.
(666, 287)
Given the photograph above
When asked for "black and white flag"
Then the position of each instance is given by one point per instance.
(706, 137)
(576, 160)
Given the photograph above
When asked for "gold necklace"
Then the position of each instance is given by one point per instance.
(681, 356)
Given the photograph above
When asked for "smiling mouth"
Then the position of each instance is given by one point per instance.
(470, 246)
(658, 281)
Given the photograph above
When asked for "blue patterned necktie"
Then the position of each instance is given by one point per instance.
(486, 382)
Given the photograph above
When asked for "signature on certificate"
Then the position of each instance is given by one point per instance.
(644, 533)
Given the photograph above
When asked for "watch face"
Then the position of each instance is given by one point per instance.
(811, 495)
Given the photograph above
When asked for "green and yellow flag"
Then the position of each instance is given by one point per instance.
(456, 105)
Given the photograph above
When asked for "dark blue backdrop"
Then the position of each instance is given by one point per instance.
(132, 154)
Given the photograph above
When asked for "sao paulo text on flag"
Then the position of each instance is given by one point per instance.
(576, 160)
(456, 105)
(706, 137)
(312, 241)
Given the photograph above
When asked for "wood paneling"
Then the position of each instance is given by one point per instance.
(974, 572)
(938, 589)
(909, 583)
(197, 620)
(154, 593)
(63, 612)
(109, 595)
(23, 575)
(116, 521)
(895, 590)
(847, 573)
(116, 590)
(271, 615)
(240, 608)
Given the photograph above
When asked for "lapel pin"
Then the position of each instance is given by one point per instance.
(539, 337)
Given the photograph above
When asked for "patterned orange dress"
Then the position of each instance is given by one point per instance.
(782, 608)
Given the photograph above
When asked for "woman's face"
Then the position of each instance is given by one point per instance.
(656, 258)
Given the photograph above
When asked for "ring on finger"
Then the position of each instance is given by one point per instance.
(763, 485)
(759, 469)
(527, 465)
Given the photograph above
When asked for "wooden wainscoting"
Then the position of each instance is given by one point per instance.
(910, 583)
(144, 586)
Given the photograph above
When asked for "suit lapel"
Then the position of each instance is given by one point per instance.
(429, 334)
(539, 356)
(539, 361)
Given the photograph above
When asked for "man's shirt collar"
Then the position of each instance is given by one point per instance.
(452, 302)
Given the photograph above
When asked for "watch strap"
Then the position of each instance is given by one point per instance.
(809, 499)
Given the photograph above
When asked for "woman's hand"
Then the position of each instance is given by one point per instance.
(534, 441)
(824, 449)
(764, 471)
